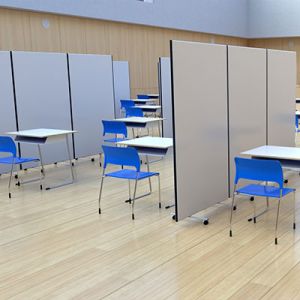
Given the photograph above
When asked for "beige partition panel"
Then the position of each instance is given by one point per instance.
(200, 125)
(281, 97)
(247, 101)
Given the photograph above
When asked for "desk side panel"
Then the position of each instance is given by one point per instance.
(281, 97)
(7, 110)
(92, 93)
(43, 101)
(200, 122)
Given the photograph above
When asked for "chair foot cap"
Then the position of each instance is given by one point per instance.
(254, 220)
(159, 205)
(41, 187)
(99, 211)
(230, 233)
(132, 216)
(276, 242)
(9, 195)
(294, 226)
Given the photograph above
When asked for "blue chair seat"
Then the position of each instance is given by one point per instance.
(131, 174)
(17, 160)
(264, 190)
(115, 140)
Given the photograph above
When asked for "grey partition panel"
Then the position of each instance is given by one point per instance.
(247, 101)
(166, 95)
(200, 126)
(7, 110)
(42, 95)
(91, 78)
(281, 97)
(121, 84)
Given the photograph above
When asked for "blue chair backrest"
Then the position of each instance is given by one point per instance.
(259, 170)
(127, 103)
(114, 127)
(297, 121)
(134, 112)
(7, 145)
(141, 96)
(121, 156)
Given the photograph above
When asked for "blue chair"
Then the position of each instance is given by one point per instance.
(264, 171)
(128, 156)
(7, 145)
(134, 112)
(114, 127)
(125, 104)
(297, 124)
(142, 96)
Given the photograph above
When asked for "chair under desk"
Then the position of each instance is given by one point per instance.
(42, 136)
(149, 146)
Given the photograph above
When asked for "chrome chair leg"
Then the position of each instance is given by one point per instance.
(159, 192)
(231, 213)
(129, 191)
(133, 199)
(100, 192)
(9, 183)
(277, 217)
(294, 195)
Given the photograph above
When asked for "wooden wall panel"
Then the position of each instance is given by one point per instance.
(140, 45)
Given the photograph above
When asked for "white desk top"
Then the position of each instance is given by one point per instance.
(297, 112)
(279, 152)
(153, 95)
(141, 120)
(41, 132)
(144, 100)
(149, 106)
(149, 142)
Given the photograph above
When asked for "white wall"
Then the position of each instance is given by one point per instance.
(212, 16)
(273, 18)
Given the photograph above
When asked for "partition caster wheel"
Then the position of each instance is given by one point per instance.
(173, 217)
(76, 158)
(251, 198)
(16, 176)
(234, 208)
(72, 164)
(18, 183)
(92, 159)
(286, 181)
(55, 163)
(205, 222)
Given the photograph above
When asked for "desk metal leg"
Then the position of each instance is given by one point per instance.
(148, 169)
(70, 158)
(159, 132)
(71, 168)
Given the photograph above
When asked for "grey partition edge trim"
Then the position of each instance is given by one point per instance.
(201, 164)
(8, 109)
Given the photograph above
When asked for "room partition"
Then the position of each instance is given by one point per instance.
(164, 67)
(121, 84)
(7, 110)
(92, 98)
(226, 99)
(200, 126)
(42, 98)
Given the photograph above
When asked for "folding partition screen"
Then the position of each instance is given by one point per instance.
(7, 109)
(42, 96)
(121, 84)
(166, 94)
(92, 94)
(200, 126)
(281, 97)
(247, 101)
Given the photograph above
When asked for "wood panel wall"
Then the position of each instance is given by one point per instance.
(291, 44)
(140, 45)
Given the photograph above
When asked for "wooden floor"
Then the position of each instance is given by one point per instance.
(54, 245)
